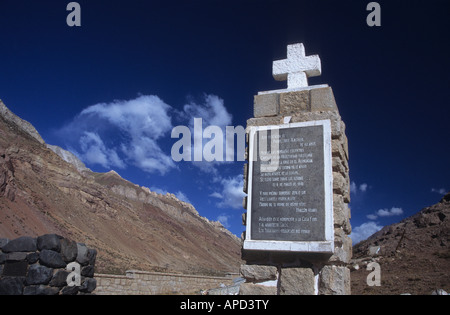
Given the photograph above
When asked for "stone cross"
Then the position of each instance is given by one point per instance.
(297, 67)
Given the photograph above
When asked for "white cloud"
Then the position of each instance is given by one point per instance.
(95, 151)
(123, 131)
(213, 113)
(146, 154)
(394, 211)
(363, 231)
(216, 195)
(146, 115)
(354, 189)
(389, 213)
(363, 187)
(231, 193)
(441, 191)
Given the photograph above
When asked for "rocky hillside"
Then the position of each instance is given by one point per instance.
(414, 254)
(131, 227)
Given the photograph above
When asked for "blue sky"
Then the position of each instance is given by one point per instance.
(113, 89)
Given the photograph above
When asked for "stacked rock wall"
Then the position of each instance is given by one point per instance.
(46, 265)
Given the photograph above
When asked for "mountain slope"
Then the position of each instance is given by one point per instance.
(130, 226)
(414, 254)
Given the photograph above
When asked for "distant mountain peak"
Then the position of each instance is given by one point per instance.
(24, 125)
(29, 129)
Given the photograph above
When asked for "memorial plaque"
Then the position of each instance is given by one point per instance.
(290, 187)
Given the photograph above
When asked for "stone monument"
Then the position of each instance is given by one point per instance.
(297, 180)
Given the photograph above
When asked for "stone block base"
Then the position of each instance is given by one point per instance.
(314, 280)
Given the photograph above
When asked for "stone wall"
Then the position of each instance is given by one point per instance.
(149, 283)
(46, 265)
(300, 273)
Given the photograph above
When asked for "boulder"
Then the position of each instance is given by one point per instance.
(89, 285)
(85, 255)
(38, 274)
(16, 256)
(92, 255)
(21, 244)
(51, 259)
(59, 279)
(87, 271)
(82, 256)
(11, 285)
(70, 290)
(69, 250)
(49, 241)
(32, 258)
(3, 242)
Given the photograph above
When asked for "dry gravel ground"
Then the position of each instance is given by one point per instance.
(414, 254)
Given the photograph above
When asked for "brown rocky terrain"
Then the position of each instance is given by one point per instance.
(130, 226)
(414, 254)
